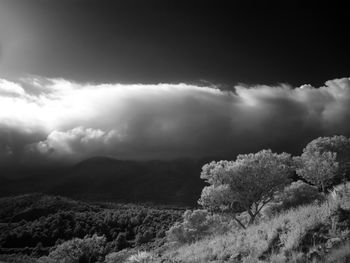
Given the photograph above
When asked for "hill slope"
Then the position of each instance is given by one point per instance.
(313, 233)
(162, 182)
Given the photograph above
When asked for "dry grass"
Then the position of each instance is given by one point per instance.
(279, 236)
(340, 255)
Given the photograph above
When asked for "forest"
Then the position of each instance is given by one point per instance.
(33, 224)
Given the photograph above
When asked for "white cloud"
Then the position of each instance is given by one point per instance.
(10, 88)
(78, 120)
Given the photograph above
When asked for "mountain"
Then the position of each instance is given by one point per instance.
(174, 182)
(166, 182)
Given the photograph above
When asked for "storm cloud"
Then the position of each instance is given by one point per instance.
(58, 119)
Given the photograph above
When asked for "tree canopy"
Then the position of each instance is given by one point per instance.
(338, 144)
(318, 168)
(246, 184)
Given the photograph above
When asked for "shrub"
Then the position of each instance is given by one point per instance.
(318, 168)
(340, 191)
(296, 194)
(339, 255)
(118, 257)
(336, 144)
(140, 257)
(88, 249)
(145, 237)
(121, 241)
(197, 224)
(286, 233)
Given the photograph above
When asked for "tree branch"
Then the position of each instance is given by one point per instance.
(239, 222)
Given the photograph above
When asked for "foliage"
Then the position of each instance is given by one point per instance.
(76, 250)
(294, 195)
(17, 258)
(247, 184)
(140, 257)
(318, 168)
(122, 225)
(33, 206)
(196, 225)
(339, 255)
(338, 144)
(340, 191)
(118, 257)
(296, 230)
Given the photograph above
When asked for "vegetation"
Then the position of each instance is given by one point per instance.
(296, 194)
(297, 235)
(89, 249)
(247, 184)
(63, 224)
(339, 145)
(318, 168)
(196, 225)
(252, 212)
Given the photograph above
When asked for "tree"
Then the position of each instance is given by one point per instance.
(88, 249)
(338, 144)
(318, 168)
(247, 184)
(121, 241)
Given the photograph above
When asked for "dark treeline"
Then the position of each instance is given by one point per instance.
(30, 224)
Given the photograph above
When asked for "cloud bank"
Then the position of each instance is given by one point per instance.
(58, 119)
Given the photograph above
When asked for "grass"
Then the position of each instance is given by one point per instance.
(289, 235)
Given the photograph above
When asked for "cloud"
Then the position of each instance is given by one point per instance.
(58, 119)
(78, 141)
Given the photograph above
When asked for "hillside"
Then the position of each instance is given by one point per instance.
(163, 182)
(174, 182)
(34, 224)
(33, 206)
(312, 233)
(112, 233)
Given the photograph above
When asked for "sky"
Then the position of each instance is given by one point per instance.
(223, 42)
(169, 79)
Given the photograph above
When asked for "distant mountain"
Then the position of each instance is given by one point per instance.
(166, 182)
(161, 182)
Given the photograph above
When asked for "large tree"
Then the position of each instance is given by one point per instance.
(246, 184)
(318, 168)
(338, 144)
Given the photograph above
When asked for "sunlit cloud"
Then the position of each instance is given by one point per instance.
(62, 119)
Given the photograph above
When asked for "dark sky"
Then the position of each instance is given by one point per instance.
(223, 42)
(169, 79)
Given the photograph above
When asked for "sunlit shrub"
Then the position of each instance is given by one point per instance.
(118, 257)
(197, 224)
(140, 257)
(296, 194)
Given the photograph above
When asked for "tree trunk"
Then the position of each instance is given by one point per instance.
(322, 187)
(252, 219)
(239, 222)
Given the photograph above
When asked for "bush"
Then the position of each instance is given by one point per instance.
(118, 257)
(341, 191)
(339, 255)
(88, 249)
(287, 233)
(140, 257)
(296, 194)
(197, 224)
(318, 168)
